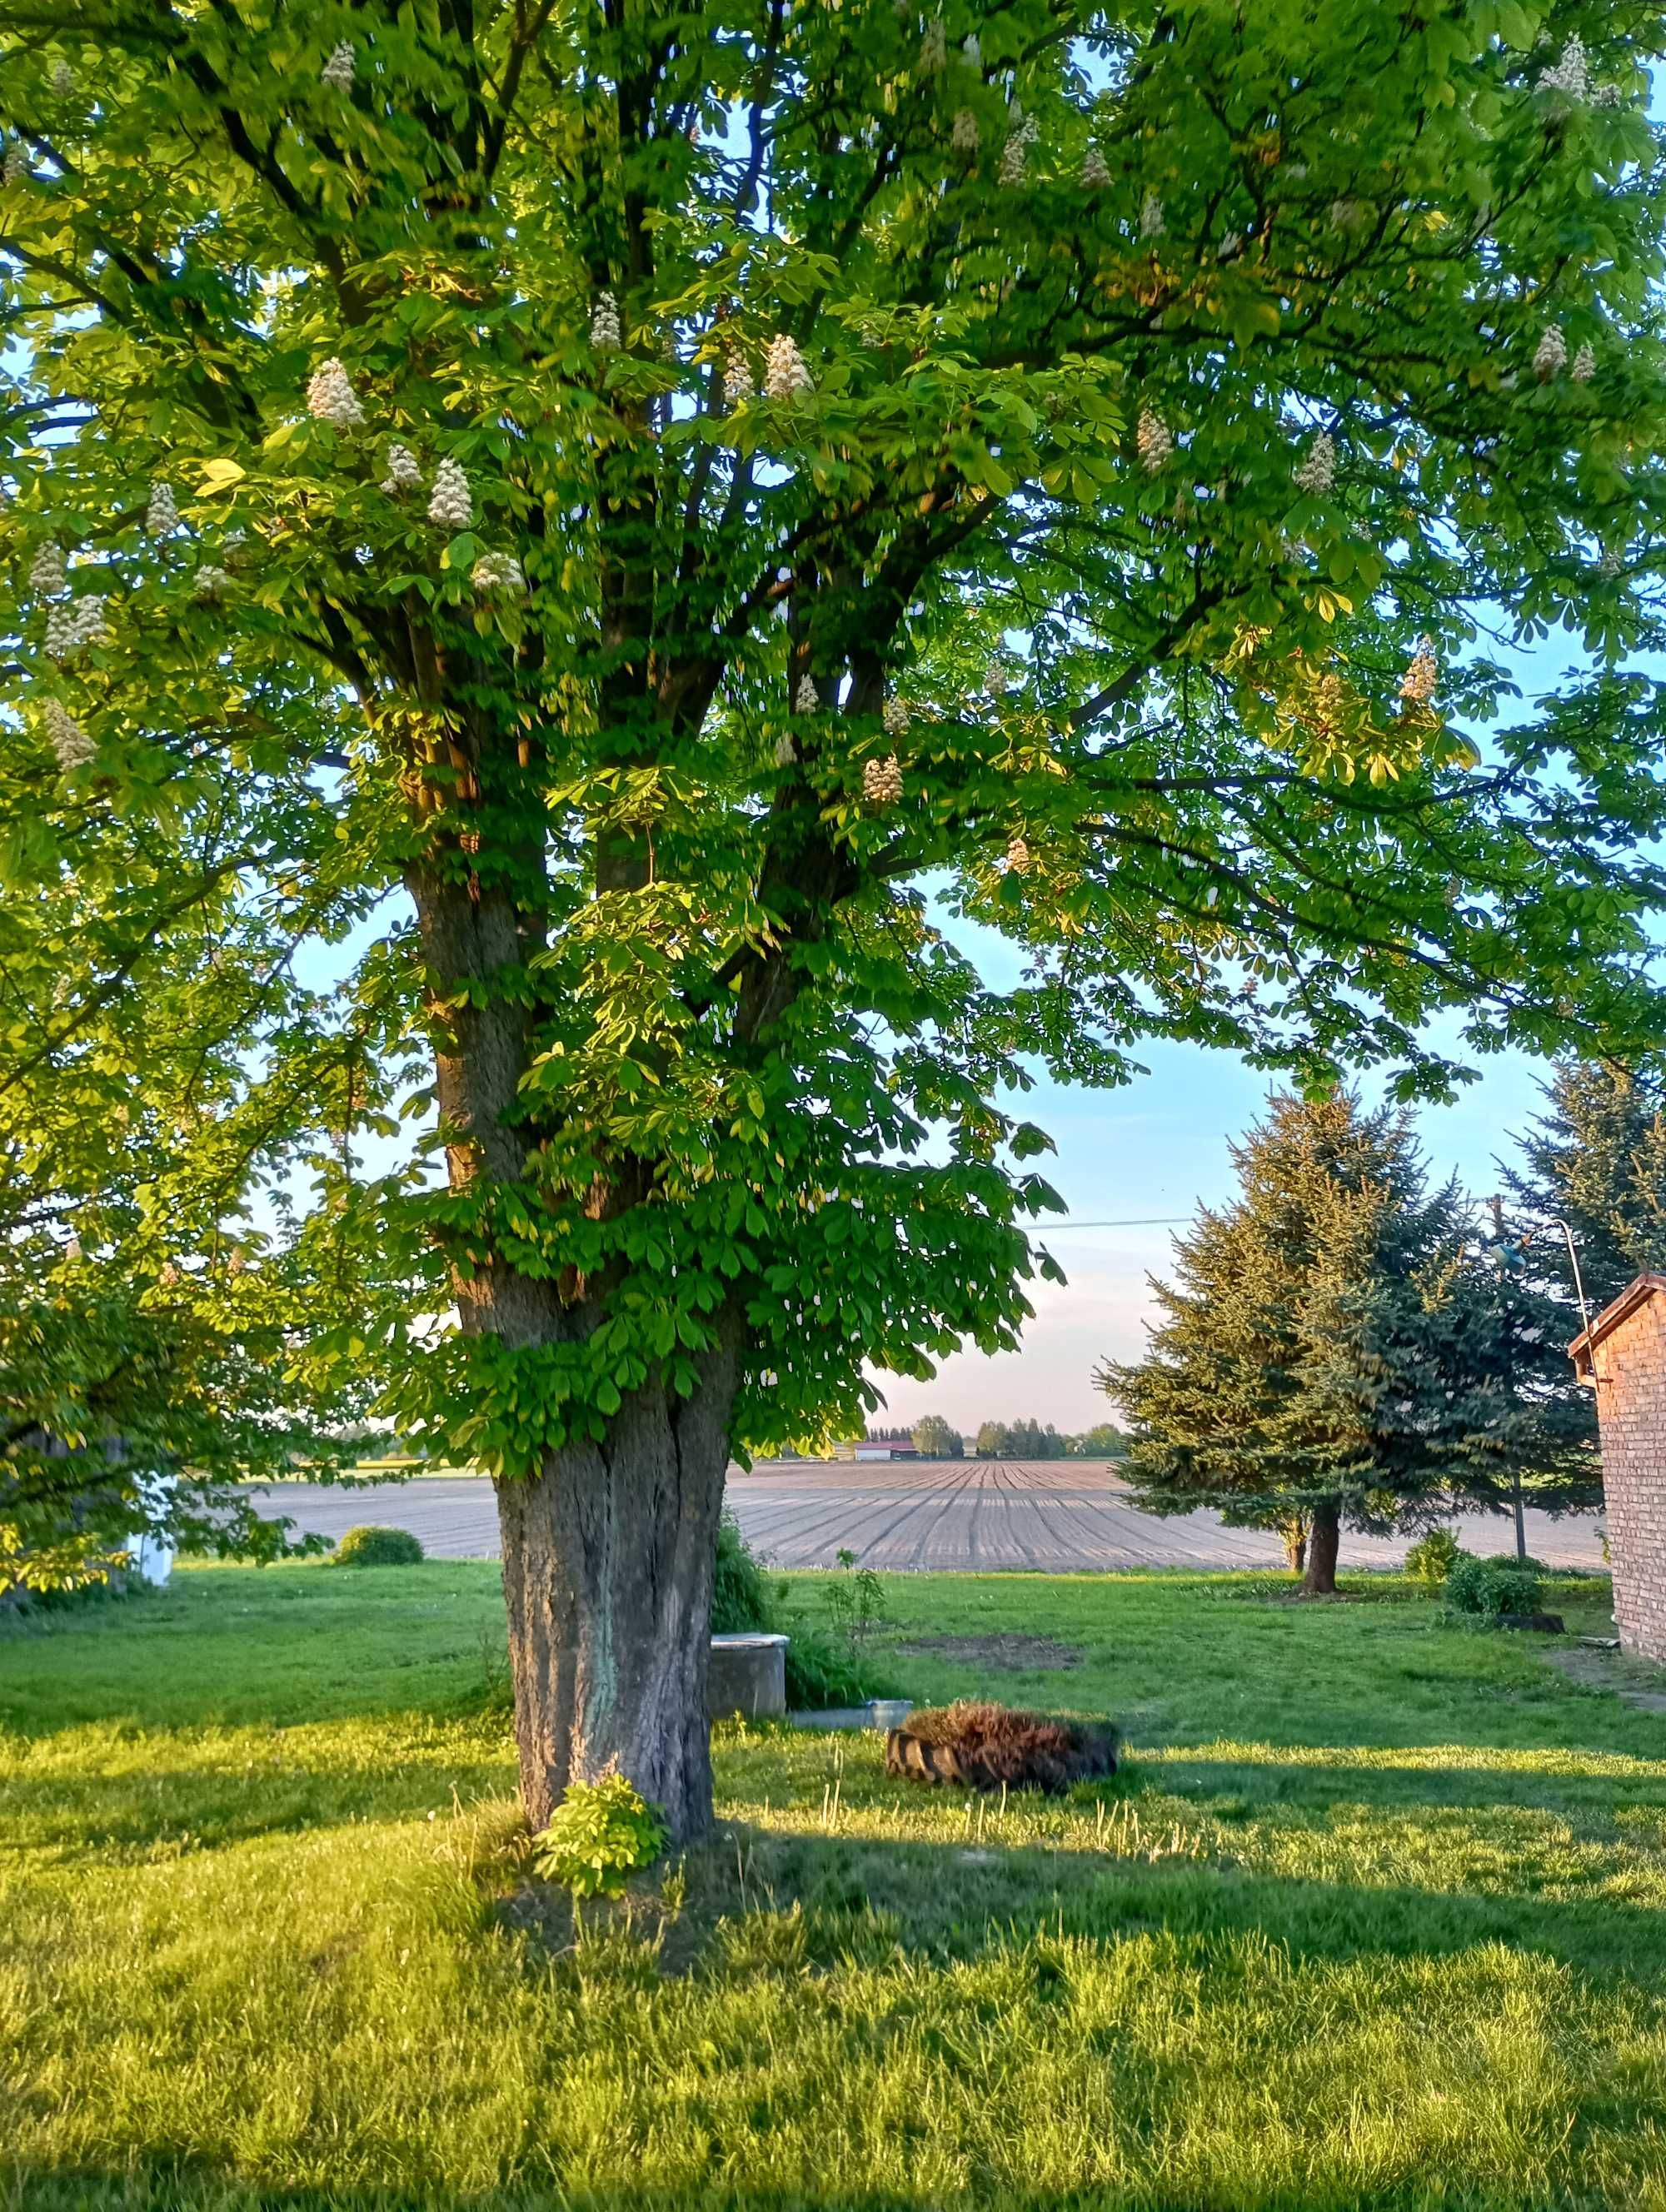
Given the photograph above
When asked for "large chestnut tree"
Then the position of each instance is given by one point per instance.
(618, 531)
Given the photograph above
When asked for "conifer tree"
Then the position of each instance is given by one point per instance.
(1595, 1160)
(1334, 1352)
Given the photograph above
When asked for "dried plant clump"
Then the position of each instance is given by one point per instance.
(973, 1746)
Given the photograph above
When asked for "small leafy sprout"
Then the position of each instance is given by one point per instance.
(599, 1835)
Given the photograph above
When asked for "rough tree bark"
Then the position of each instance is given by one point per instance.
(1324, 1532)
(608, 1559)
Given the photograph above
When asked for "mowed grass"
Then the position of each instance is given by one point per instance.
(1376, 1916)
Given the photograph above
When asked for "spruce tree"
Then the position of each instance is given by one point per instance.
(1335, 1352)
(1596, 1160)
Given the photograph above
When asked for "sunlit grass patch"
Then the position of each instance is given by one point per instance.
(1371, 1917)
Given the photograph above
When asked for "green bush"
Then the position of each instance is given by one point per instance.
(598, 1836)
(824, 1670)
(1492, 1588)
(740, 1595)
(1432, 1558)
(368, 1545)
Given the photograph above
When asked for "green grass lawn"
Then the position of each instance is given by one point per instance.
(1375, 1915)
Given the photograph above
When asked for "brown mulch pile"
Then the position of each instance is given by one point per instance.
(1013, 1649)
(983, 1746)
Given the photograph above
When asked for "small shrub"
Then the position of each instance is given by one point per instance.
(856, 1601)
(1488, 1589)
(368, 1545)
(599, 1835)
(1432, 1558)
(740, 1595)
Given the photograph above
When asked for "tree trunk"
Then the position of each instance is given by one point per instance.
(1294, 1532)
(608, 1559)
(1324, 1532)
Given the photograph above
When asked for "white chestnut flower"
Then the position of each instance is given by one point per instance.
(402, 472)
(17, 168)
(168, 1275)
(1018, 857)
(46, 576)
(785, 752)
(971, 53)
(59, 643)
(963, 134)
(1585, 364)
(1349, 215)
(1152, 224)
(784, 373)
(738, 383)
(342, 67)
(995, 678)
(1318, 471)
(330, 397)
(1611, 562)
(210, 586)
(1153, 442)
(606, 334)
(161, 516)
(882, 781)
(62, 79)
(895, 716)
(1422, 676)
(1096, 171)
(72, 1251)
(1550, 355)
(451, 503)
(1569, 75)
(70, 744)
(500, 573)
(74, 624)
(934, 48)
(1011, 172)
(806, 699)
(234, 545)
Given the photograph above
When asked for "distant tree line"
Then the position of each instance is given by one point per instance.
(935, 1438)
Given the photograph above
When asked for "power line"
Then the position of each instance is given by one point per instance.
(1145, 1221)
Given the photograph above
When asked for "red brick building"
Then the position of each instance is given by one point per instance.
(1623, 1352)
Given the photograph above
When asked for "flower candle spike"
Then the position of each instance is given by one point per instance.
(1318, 471)
(1550, 355)
(1153, 442)
(606, 334)
(330, 397)
(785, 375)
(451, 503)
(161, 516)
(402, 473)
(341, 69)
(882, 781)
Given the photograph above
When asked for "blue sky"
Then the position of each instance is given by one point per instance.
(1158, 1147)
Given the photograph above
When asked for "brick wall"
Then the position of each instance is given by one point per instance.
(1630, 1365)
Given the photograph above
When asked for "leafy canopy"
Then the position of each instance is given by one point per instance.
(858, 474)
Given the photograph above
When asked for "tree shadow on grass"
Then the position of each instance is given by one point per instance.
(160, 1810)
(187, 2189)
(757, 1899)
